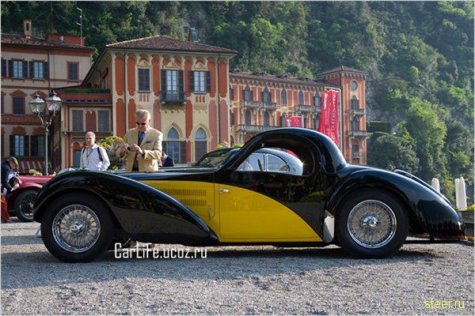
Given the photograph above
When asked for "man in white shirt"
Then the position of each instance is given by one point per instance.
(94, 157)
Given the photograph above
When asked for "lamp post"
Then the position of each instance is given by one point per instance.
(37, 106)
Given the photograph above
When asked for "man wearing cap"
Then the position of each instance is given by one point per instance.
(7, 167)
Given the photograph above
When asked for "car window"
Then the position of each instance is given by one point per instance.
(272, 160)
(276, 164)
(214, 159)
(255, 162)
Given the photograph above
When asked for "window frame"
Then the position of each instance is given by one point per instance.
(73, 129)
(71, 64)
(143, 75)
(14, 98)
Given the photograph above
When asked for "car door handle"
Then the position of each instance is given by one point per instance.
(223, 190)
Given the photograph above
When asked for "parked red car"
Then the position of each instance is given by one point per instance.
(20, 201)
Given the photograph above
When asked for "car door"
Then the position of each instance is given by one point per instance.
(261, 205)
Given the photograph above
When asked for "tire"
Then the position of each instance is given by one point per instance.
(24, 204)
(371, 224)
(77, 228)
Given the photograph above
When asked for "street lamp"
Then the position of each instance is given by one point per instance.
(37, 106)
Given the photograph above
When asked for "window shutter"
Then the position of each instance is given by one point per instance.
(34, 145)
(164, 81)
(32, 69)
(10, 68)
(4, 68)
(12, 145)
(25, 69)
(46, 70)
(208, 81)
(180, 81)
(27, 146)
(192, 81)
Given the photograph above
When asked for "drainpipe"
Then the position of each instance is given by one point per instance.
(218, 135)
(125, 92)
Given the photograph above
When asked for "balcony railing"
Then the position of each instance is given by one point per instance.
(270, 106)
(305, 108)
(357, 133)
(253, 128)
(250, 104)
(172, 97)
(357, 112)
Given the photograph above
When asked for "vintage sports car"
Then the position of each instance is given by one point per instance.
(369, 212)
(20, 201)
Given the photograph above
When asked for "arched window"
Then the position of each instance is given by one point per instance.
(355, 124)
(266, 96)
(283, 116)
(201, 143)
(247, 117)
(283, 97)
(266, 119)
(301, 98)
(173, 145)
(247, 95)
(316, 100)
(355, 104)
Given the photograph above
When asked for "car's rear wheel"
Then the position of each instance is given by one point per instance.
(77, 228)
(371, 224)
(24, 204)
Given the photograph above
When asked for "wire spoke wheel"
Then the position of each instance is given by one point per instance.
(372, 224)
(76, 228)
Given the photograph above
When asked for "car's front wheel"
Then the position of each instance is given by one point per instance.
(371, 224)
(77, 228)
(24, 204)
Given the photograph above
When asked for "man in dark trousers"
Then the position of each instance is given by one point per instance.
(7, 167)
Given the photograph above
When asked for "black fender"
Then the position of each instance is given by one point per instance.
(428, 212)
(143, 212)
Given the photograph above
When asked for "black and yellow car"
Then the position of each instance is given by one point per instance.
(367, 211)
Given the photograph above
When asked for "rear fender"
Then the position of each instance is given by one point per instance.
(428, 212)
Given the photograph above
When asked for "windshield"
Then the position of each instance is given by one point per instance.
(216, 159)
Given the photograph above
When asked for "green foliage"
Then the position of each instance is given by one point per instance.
(112, 144)
(378, 126)
(418, 55)
(393, 152)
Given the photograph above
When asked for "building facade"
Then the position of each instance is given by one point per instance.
(183, 84)
(31, 66)
(260, 102)
(194, 99)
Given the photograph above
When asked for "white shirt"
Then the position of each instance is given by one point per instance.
(90, 159)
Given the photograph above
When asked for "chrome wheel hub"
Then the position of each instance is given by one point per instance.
(372, 224)
(76, 228)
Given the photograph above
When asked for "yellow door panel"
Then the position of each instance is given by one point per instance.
(247, 216)
(198, 196)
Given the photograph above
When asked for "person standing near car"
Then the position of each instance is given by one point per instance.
(143, 145)
(93, 157)
(7, 168)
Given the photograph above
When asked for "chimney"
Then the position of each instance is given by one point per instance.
(27, 29)
(193, 35)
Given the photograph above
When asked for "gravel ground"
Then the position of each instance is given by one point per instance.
(420, 279)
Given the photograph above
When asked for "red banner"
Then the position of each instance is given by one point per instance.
(293, 121)
(329, 119)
